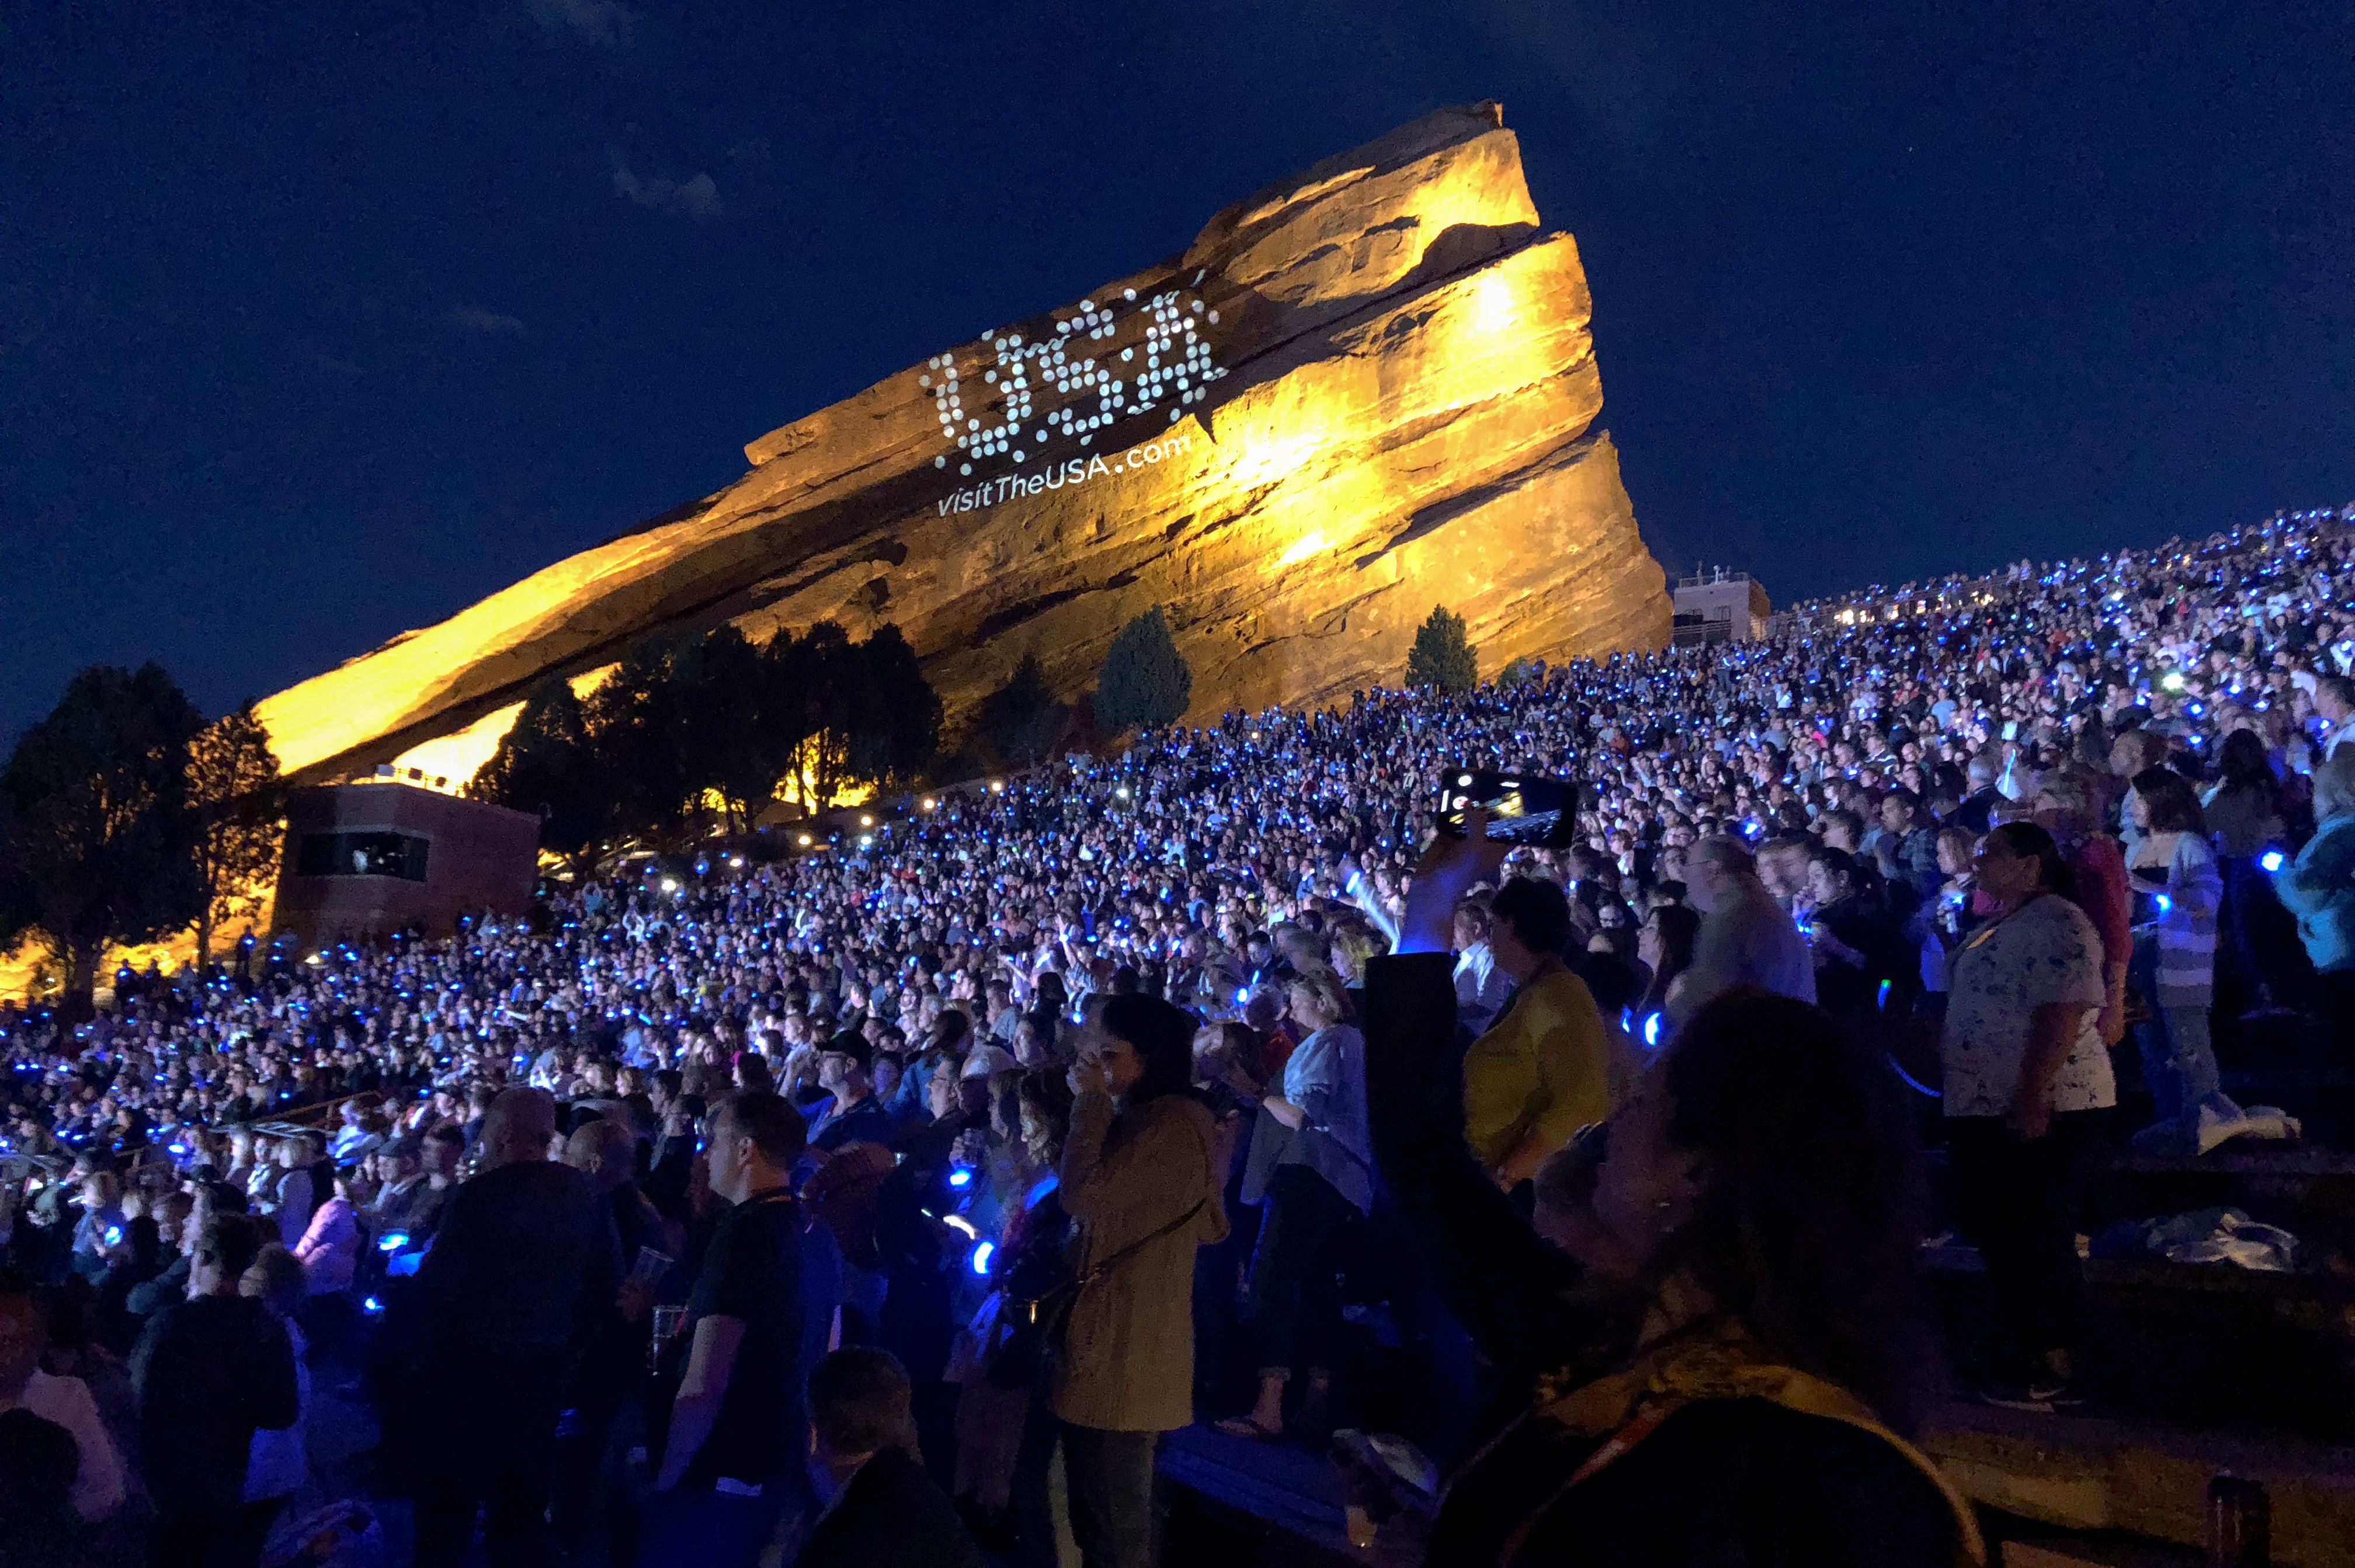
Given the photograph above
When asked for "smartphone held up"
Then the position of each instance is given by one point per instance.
(1528, 813)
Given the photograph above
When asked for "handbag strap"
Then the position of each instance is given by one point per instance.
(1100, 1269)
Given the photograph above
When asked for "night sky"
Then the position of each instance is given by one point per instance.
(320, 322)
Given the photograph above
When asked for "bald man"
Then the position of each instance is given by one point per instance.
(523, 1266)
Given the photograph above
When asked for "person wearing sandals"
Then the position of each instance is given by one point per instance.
(1311, 1169)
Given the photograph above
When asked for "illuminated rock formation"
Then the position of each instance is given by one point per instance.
(1366, 391)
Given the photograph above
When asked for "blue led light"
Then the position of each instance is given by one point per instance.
(981, 1257)
(961, 1177)
(1652, 1031)
(2272, 860)
(371, 1306)
(392, 1242)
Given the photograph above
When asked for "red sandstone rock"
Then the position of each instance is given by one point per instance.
(1388, 402)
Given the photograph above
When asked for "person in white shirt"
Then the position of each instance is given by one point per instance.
(1482, 988)
(98, 1486)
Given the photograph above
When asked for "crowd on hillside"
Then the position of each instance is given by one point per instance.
(891, 1200)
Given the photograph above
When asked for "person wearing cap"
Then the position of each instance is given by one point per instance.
(855, 1115)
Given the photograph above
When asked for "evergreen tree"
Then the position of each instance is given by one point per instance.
(1144, 681)
(1442, 658)
(240, 806)
(831, 681)
(545, 765)
(100, 838)
(724, 712)
(898, 734)
(1019, 723)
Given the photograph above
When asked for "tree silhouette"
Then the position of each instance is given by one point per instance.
(240, 810)
(546, 765)
(100, 846)
(1144, 681)
(1019, 723)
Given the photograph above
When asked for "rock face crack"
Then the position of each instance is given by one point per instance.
(1389, 401)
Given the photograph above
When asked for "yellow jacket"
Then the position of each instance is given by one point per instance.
(1542, 1070)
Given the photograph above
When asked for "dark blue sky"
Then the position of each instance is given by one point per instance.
(320, 322)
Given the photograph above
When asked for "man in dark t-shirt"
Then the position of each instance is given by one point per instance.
(732, 1461)
(209, 1370)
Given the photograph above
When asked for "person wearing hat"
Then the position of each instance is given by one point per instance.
(855, 1115)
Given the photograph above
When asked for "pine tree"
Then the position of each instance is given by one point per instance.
(546, 765)
(1020, 721)
(1442, 658)
(1145, 680)
(240, 806)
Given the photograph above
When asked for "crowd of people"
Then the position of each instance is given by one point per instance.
(888, 1203)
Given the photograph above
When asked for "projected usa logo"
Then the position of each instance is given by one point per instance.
(1051, 395)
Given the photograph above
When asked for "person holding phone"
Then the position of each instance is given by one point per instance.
(1141, 1182)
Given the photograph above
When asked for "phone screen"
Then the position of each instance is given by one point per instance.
(1529, 812)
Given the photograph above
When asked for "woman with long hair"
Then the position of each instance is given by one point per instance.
(1723, 1383)
(1140, 1181)
(2245, 819)
(2173, 870)
(1665, 943)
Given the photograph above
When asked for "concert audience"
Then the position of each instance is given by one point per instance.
(819, 1083)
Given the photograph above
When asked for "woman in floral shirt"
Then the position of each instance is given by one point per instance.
(2028, 1083)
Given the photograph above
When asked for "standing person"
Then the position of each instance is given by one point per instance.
(2064, 808)
(1745, 937)
(1141, 1183)
(210, 1372)
(524, 1258)
(1757, 1207)
(2318, 888)
(2174, 966)
(731, 1460)
(2244, 814)
(2027, 1084)
(887, 1512)
(1543, 1070)
(1311, 1165)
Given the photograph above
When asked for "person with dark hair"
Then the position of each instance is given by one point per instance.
(523, 1264)
(1745, 937)
(38, 1460)
(2173, 873)
(729, 1468)
(887, 1512)
(1541, 1072)
(2245, 819)
(1141, 1183)
(2027, 1087)
(1859, 943)
(1725, 1388)
(209, 1372)
(1665, 944)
